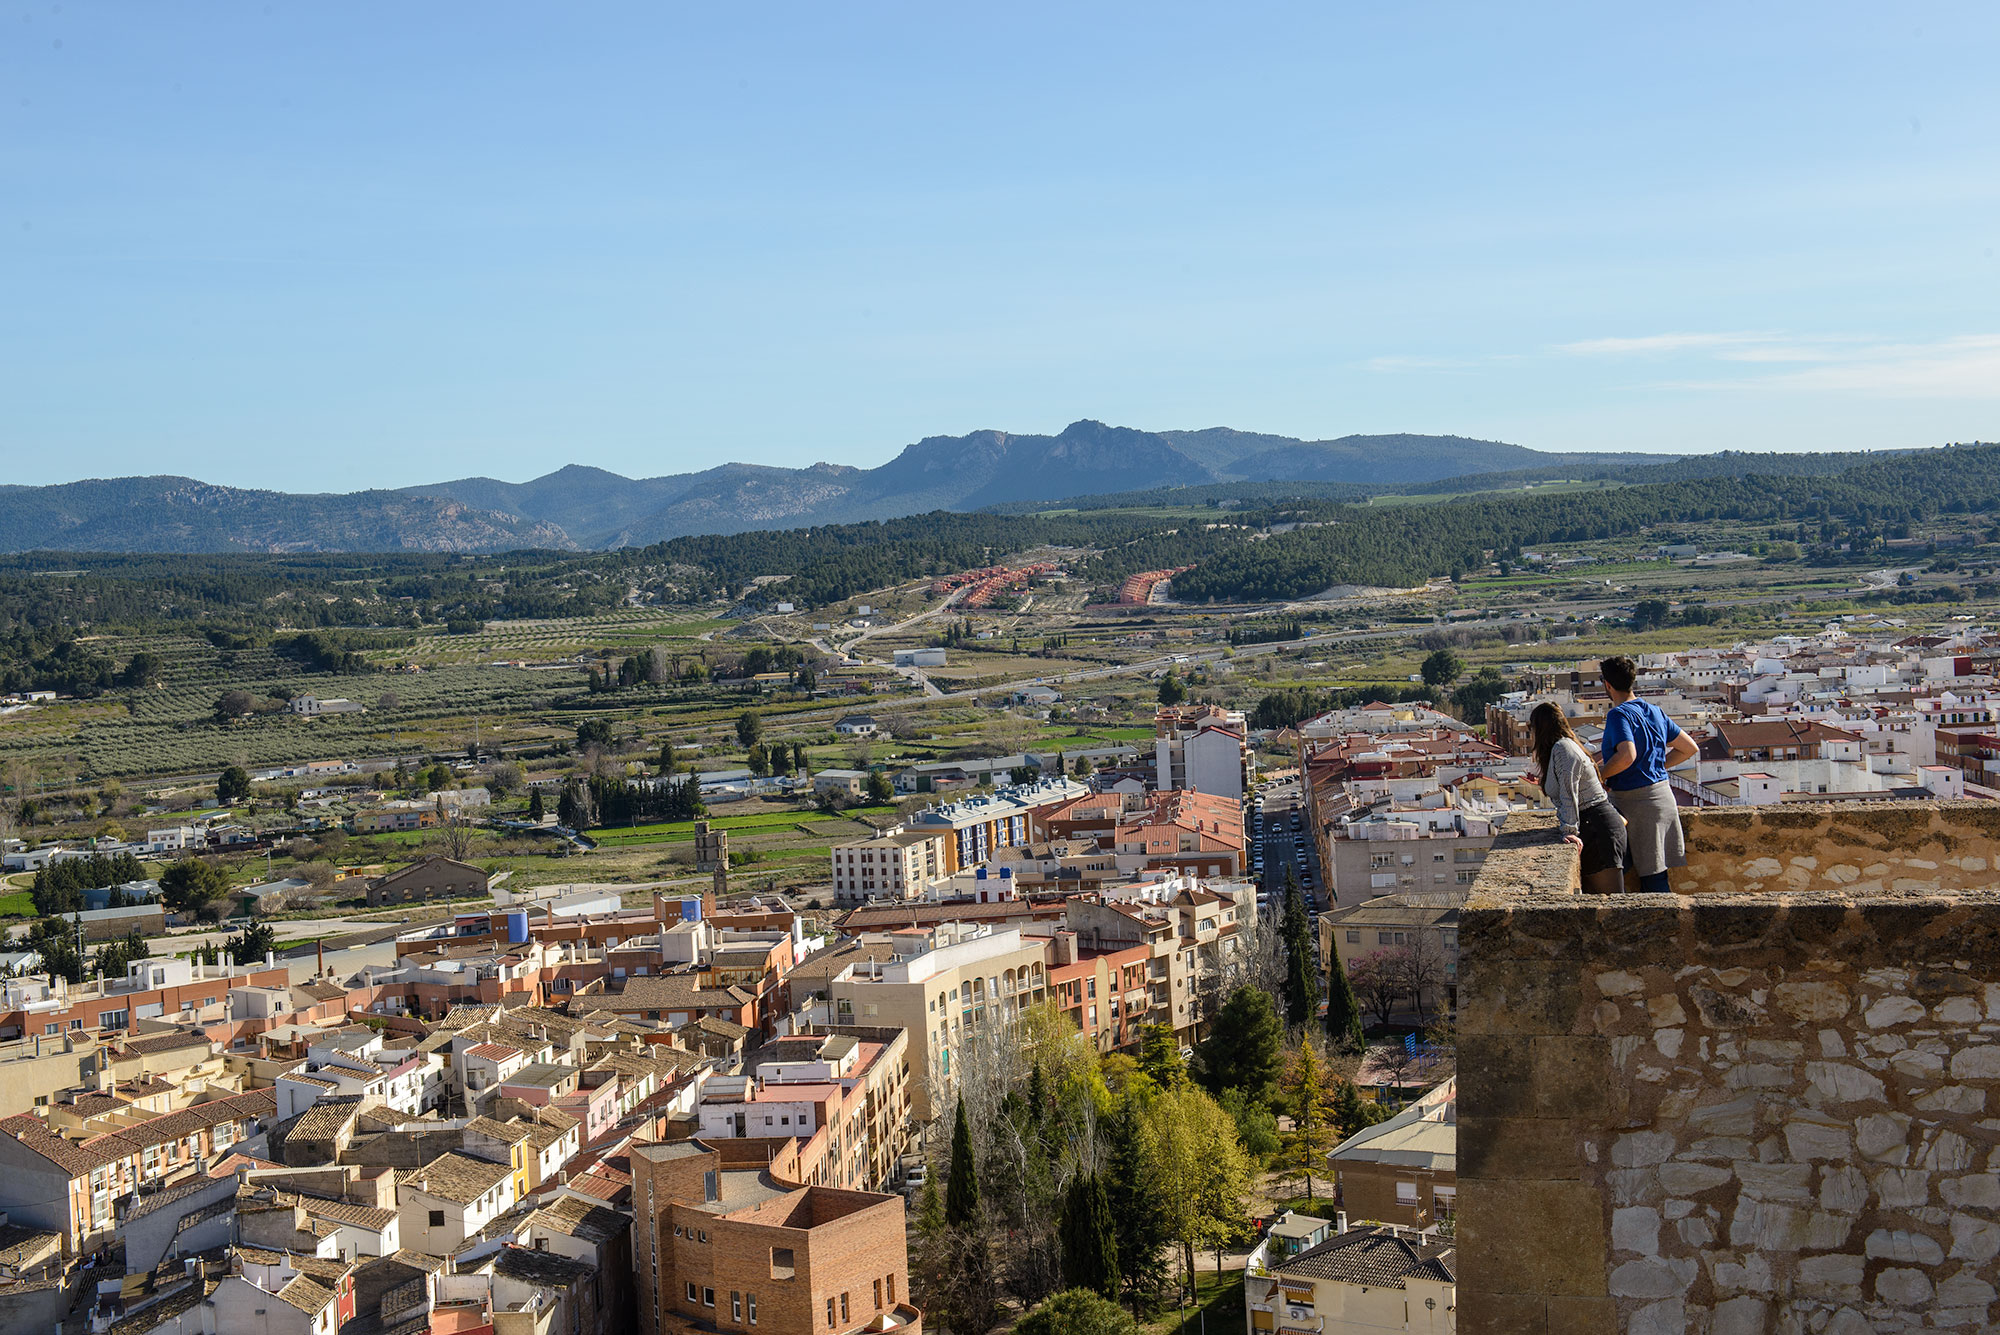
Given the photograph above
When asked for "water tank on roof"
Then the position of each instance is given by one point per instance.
(517, 927)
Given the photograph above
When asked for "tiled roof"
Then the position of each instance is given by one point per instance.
(1377, 1257)
(541, 1268)
(722, 1028)
(458, 1177)
(580, 1219)
(153, 1043)
(156, 1314)
(510, 1132)
(492, 1052)
(674, 992)
(308, 1295)
(325, 1119)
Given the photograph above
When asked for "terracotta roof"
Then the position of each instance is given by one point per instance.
(496, 1052)
(724, 1028)
(166, 1043)
(1376, 1257)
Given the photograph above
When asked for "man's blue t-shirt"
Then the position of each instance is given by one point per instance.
(1649, 731)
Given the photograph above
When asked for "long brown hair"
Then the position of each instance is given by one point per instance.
(1548, 726)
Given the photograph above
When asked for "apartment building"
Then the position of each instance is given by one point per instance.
(1106, 994)
(79, 1185)
(1179, 830)
(1189, 934)
(152, 989)
(1202, 748)
(944, 987)
(844, 1095)
(974, 826)
(1424, 922)
(729, 1245)
(1387, 848)
(896, 865)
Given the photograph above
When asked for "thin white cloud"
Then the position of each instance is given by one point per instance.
(1962, 367)
(1651, 344)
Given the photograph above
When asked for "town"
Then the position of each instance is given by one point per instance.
(1184, 1007)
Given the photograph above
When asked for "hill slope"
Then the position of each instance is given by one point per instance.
(578, 506)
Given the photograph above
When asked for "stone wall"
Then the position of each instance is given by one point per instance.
(1734, 1113)
(1848, 848)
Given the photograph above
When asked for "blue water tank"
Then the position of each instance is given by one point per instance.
(517, 926)
(690, 910)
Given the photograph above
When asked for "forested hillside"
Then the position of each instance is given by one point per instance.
(1406, 545)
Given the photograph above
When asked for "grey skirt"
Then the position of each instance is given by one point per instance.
(1652, 828)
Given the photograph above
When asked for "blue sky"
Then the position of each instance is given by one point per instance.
(327, 247)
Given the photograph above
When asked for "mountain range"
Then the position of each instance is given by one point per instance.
(580, 507)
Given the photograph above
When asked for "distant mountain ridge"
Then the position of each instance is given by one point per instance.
(581, 507)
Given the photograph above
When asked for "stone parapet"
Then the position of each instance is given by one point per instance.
(1735, 1112)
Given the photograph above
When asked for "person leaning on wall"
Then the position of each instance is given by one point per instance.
(1640, 745)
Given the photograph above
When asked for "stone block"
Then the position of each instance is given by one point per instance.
(1530, 1237)
(1902, 1287)
(1508, 997)
(1482, 1313)
(1571, 1076)
(1901, 1244)
(1734, 925)
(1636, 1229)
(1974, 1239)
(1979, 1063)
(1812, 1001)
(1741, 1316)
(1518, 1147)
(1581, 1316)
(1494, 1075)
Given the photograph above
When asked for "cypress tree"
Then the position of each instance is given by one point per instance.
(961, 1188)
(1089, 1246)
(1343, 1011)
(1297, 935)
(1138, 1224)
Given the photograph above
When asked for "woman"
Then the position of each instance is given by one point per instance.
(1588, 819)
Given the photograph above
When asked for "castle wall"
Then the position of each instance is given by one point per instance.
(1734, 1113)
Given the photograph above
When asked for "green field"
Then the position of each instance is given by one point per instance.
(20, 904)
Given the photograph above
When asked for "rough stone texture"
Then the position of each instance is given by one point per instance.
(1769, 1105)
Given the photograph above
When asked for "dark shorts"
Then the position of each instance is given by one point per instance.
(1602, 830)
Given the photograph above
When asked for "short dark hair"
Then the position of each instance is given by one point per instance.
(1619, 673)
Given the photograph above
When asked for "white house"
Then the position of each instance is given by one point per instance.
(450, 1199)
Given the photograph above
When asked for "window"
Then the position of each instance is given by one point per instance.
(878, 1295)
(892, 1288)
(52, 1029)
(708, 1297)
(1353, 938)
(711, 1189)
(703, 1239)
(782, 1266)
(677, 1230)
(843, 1307)
(735, 1305)
(829, 1314)
(693, 1297)
(752, 1299)
(437, 1218)
(1406, 1193)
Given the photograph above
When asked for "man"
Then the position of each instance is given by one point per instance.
(1640, 745)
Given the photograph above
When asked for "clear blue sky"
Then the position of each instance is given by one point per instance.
(332, 246)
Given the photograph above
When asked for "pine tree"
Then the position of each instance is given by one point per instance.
(1245, 1046)
(1138, 1224)
(1089, 1245)
(961, 1190)
(1343, 1011)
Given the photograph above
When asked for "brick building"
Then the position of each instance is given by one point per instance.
(433, 878)
(727, 1245)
